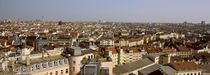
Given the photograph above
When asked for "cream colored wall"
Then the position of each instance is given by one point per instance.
(123, 43)
(77, 63)
(47, 72)
(134, 56)
(109, 65)
(114, 59)
(189, 72)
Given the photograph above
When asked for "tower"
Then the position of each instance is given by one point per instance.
(43, 20)
(203, 23)
(185, 23)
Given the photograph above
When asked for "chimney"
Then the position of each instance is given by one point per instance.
(28, 64)
(27, 60)
(42, 53)
(13, 65)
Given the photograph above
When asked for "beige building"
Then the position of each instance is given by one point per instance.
(186, 68)
(124, 55)
(53, 65)
(171, 35)
(135, 42)
(76, 55)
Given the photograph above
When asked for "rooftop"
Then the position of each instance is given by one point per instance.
(182, 66)
(40, 60)
(132, 66)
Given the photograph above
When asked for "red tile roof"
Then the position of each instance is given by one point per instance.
(113, 49)
(134, 40)
(180, 66)
(9, 42)
(182, 48)
(116, 38)
(154, 50)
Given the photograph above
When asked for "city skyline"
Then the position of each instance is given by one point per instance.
(104, 37)
(118, 11)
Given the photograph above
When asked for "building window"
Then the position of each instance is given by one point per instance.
(23, 69)
(73, 69)
(44, 65)
(50, 64)
(17, 70)
(32, 69)
(37, 67)
(60, 62)
(74, 62)
(92, 56)
(61, 71)
(56, 72)
(67, 71)
(51, 73)
(65, 61)
(56, 63)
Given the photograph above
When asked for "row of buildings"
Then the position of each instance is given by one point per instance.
(91, 48)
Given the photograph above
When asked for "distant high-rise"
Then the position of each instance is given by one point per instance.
(185, 23)
(203, 23)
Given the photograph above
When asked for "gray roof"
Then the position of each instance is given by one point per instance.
(75, 47)
(168, 70)
(152, 56)
(87, 51)
(132, 66)
(150, 69)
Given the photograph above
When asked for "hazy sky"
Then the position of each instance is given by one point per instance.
(108, 10)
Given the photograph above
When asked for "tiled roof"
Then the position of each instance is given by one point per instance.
(181, 66)
(182, 48)
(154, 50)
(113, 49)
(116, 38)
(134, 40)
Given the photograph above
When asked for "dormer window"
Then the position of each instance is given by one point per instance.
(44, 65)
(38, 67)
(32, 68)
(17, 70)
(23, 69)
(65, 61)
(56, 63)
(50, 64)
(60, 62)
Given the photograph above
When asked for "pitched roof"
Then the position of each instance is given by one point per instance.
(182, 48)
(113, 49)
(168, 70)
(116, 38)
(150, 69)
(134, 40)
(154, 50)
(180, 66)
(126, 68)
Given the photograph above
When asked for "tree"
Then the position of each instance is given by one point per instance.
(84, 60)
